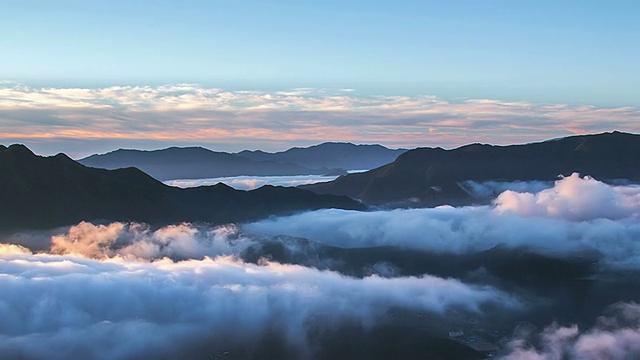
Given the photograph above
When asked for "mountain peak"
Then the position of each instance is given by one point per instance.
(19, 150)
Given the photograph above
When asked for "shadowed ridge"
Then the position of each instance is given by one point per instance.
(430, 176)
(194, 163)
(331, 155)
(42, 192)
(19, 150)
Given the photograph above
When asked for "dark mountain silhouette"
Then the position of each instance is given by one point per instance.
(331, 155)
(432, 176)
(39, 192)
(195, 163)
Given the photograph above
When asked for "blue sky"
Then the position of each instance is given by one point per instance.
(548, 52)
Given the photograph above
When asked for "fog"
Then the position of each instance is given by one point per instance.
(62, 306)
(616, 335)
(576, 216)
(551, 268)
(252, 182)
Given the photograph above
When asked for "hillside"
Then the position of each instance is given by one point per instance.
(195, 163)
(331, 155)
(40, 192)
(432, 176)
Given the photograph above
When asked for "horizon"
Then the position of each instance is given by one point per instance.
(303, 147)
(89, 77)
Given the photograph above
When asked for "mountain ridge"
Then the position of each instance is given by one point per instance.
(193, 163)
(430, 176)
(331, 154)
(197, 162)
(40, 192)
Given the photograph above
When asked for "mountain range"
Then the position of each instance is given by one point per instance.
(41, 192)
(199, 163)
(52, 191)
(331, 155)
(434, 176)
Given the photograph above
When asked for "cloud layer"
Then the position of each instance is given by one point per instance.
(63, 306)
(252, 182)
(576, 216)
(146, 116)
(615, 336)
(126, 290)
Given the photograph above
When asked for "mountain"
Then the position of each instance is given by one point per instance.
(195, 163)
(41, 192)
(432, 176)
(331, 155)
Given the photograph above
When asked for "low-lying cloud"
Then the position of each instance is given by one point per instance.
(252, 182)
(576, 216)
(128, 290)
(69, 306)
(615, 336)
(138, 241)
(574, 198)
(491, 189)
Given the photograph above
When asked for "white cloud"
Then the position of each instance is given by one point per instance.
(577, 215)
(252, 182)
(574, 198)
(149, 114)
(491, 189)
(68, 306)
(616, 336)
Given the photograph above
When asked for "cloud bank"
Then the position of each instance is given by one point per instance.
(70, 306)
(615, 336)
(576, 216)
(126, 290)
(252, 182)
(574, 198)
(146, 117)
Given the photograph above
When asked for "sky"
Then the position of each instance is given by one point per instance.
(92, 76)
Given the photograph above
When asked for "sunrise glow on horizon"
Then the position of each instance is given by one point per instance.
(86, 77)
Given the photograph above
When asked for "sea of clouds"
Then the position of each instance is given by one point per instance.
(252, 182)
(127, 290)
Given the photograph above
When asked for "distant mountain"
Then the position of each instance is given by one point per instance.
(196, 163)
(431, 176)
(40, 192)
(331, 155)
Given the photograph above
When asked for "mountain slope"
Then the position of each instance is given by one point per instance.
(193, 163)
(40, 192)
(331, 155)
(431, 176)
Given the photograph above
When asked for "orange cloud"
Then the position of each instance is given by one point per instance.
(188, 113)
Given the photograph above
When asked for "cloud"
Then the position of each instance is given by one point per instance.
(576, 216)
(615, 336)
(574, 198)
(491, 189)
(138, 241)
(69, 306)
(147, 115)
(252, 182)
(128, 290)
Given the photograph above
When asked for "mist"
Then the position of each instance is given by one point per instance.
(615, 335)
(251, 182)
(576, 216)
(61, 306)
(548, 271)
